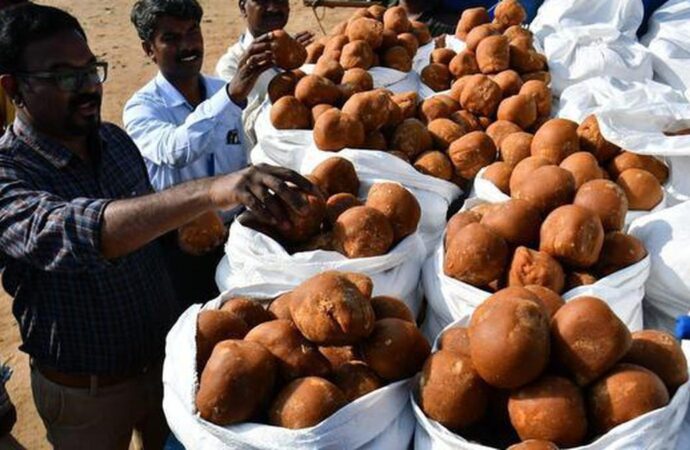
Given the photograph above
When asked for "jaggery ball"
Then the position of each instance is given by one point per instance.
(509, 340)
(517, 31)
(288, 53)
(366, 29)
(362, 232)
(407, 102)
(629, 160)
(661, 353)
(556, 140)
(296, 356)
(539, 75)
(455, 340)
(549, 298)
(236, 382)
(607, 200)
(518, 109)
(509, 13)
(459, 221)
(305, 402)
(280, 306)
(547, 188)
(642, 189)
(475, 255)
(386, 307)
(509, 81)
(534, 444)
(451, 391)
(551, 408)
(314, 52)
(329, 68)
(396, 349)
(203, 234)
(336, 175)
(332, 310)
(524, 169)
(252, 312)
(288, 113)
(516, 221)
(334, 45)
(370, 108)
(470, 18)
(435, 164)
(591, 140)
(410, 42)
(524, 59)
(434, 108)
(317, 110)
(355, 379)
(398, 205)
(457, 86)
(213, 326)
(377, 11)
(360, 79)
(335, 130)
(395, 19)
(477, 34)
(619, 251)
(357, 54)
(542, 96)
(515, 147)
(501, 129)
(471, 152)
(532, 267)
(315, 89)
(498, 173)
(493, 54)
(464, 63)
(573, 235)
(588, 338)
(626, 392)
(281, 85)
(444, 132)
(583, 166)
(436, 76)
(466, 120)
(400, 155)
(341, 354)
(578, 278)
(441, 56)
(412, 138)
(305, 226)
(398, 58)
(375, 140)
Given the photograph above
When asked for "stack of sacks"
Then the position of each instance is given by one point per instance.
(326, 365)
(568, 243)
(533, 372)
(668, 39)
(582, 152)
(503, 50)
(367, 226)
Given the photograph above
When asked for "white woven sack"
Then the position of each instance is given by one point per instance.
(380, 420)
(578, 53)
(659, 429)
(450, 299)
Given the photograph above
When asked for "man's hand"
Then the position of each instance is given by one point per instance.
(257, 59)
(304, 37)
(266, 190)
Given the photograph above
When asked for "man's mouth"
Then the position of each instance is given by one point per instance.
(89, 107)
(190, 58)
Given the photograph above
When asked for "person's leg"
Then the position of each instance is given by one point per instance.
(152, 431)
(81, 419)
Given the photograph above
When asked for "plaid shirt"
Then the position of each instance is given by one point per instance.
(78, 312)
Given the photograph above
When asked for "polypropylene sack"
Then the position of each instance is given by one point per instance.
(578, 53)
(597, 94)
(380, 420)
(450, 299)
(434, 195)
(668, 39)
(666, 236)
(658, 429)
(555, 15)
(484, 189)
(642, 130)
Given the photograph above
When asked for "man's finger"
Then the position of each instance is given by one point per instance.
(256, 207)
(271, 203)
(291, 196)
(292, 177)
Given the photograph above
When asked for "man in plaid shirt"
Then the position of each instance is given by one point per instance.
(79, 229)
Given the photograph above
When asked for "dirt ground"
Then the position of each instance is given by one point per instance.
(113, 38)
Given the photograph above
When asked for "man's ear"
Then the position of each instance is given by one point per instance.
(148, 49)
(9, 85)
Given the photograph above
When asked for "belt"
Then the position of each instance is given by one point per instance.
(84, 381)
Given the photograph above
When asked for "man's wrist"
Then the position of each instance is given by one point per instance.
(239, 100)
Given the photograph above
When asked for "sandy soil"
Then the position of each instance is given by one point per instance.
(112, 37)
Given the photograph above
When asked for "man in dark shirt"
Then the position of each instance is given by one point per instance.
(79, 224)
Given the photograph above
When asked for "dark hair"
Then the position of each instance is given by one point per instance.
(146, 12)
(23, 24)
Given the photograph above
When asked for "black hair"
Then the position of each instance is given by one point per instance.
(23, 24)
(145, 13)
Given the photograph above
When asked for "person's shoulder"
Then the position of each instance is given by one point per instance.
(9, 144)
(113, 134)
(214, 84)
(148, 93)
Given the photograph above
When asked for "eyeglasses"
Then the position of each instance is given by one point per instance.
(72, 80)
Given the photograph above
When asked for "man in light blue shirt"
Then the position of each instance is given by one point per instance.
(188, 125)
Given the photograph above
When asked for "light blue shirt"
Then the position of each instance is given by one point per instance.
(181, 143)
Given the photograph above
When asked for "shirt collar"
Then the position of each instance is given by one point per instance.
(56, 153)
(169, 93)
